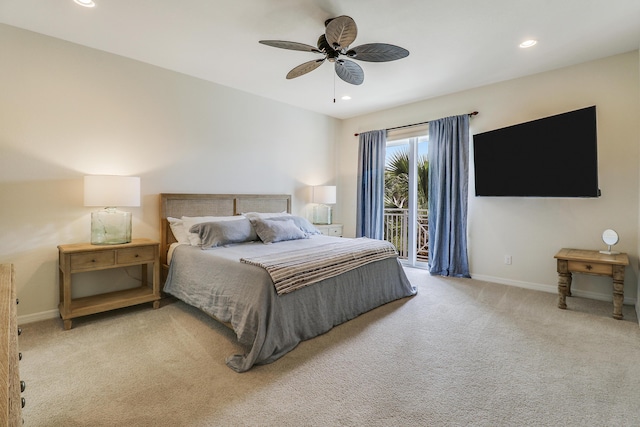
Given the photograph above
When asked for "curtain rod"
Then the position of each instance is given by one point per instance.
(475, 113)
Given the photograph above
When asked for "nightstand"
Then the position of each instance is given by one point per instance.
(84, 257)
(330, 230)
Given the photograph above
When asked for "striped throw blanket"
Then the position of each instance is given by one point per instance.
(296, 269)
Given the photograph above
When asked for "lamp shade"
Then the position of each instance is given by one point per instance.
(324, 194)
(111, 190)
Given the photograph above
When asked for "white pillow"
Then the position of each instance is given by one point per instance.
(177, 228)
(190, 221)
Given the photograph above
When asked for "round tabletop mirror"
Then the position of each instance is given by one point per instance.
(610, 237)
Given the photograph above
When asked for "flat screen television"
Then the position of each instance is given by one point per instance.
(555, 156)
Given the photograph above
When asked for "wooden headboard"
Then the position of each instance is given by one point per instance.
(179, 205)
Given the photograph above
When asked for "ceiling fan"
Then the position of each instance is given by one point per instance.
(339, 33)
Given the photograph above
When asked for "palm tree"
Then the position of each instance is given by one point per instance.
(396, 180)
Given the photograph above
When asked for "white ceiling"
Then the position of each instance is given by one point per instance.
(454, 44)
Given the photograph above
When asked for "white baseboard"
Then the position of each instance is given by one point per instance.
(552, 289)
(36, 317)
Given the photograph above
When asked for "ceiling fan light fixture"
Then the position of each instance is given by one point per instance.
(528, 43)
(85, 3)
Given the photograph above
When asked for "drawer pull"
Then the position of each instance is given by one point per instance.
(19, 331)
(23, 386)
(23, 402)
(137, 256)
(20, 356)
(589, 267)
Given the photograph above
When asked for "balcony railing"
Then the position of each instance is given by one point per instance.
(396, 231)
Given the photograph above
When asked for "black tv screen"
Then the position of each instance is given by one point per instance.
(555, 156)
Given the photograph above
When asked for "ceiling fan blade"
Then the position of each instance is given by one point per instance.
(290, 45)
(341, 32)
(304, 68)
(377, 52)
(349, 71)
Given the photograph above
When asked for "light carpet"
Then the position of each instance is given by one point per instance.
(460, 353)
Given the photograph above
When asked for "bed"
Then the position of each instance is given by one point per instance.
(268, 322)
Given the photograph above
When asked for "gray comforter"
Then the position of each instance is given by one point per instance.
(271, 325)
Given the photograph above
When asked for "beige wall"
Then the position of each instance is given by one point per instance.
(533, 230)
(67, 111)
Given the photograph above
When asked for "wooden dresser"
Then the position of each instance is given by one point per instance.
(10, 384)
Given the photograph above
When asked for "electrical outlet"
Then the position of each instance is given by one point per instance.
(507, 259)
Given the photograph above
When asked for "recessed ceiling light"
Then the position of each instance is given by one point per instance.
(528, 43)
(85, 3)
(346, 98)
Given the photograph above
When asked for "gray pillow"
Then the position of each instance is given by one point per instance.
(302, 223)
(219, 233)
(272, 231)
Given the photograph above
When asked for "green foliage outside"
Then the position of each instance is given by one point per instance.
(396, 181)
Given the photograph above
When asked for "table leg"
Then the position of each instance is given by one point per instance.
(618, 291)
(67, 324)
(564, 280)
(60, 286)
(564, 283)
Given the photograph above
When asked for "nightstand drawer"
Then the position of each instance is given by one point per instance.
(136, 255)
(592, 268)
(92, 260)
(335, 231)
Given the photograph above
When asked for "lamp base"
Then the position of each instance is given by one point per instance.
(322, 215)
(110, 227)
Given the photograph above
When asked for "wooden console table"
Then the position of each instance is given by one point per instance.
(591, 262)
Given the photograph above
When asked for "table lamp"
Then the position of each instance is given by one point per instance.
(323, 195)
(111, 226)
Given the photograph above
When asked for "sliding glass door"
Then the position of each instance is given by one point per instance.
(406, 193)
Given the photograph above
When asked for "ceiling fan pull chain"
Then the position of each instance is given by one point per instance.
(334, 88)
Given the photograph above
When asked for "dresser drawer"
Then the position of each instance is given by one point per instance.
(92, 260)
(587, 267)
(136, 255)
